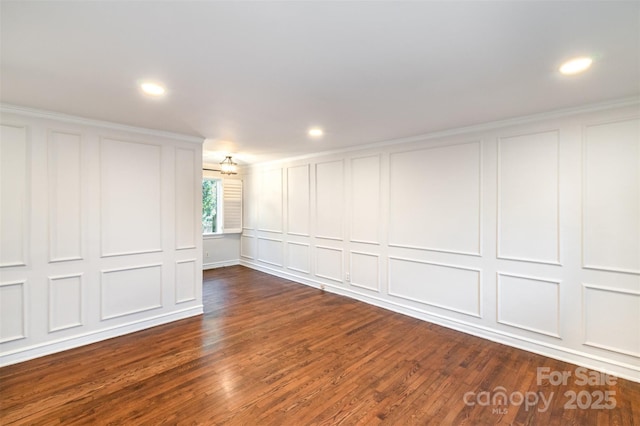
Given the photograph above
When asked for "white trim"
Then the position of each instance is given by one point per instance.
(437, 305)
(499, 254)
(586, 342)
(479, 143)
(521, 326)
(336, 279)
(295, 243)
(103, 272)
(195, 273)
(220, 264)
(50, 115)
(42, 349)
(378, 274)
(583, 201)
(484, 127)
(23, 291)
(51, 280)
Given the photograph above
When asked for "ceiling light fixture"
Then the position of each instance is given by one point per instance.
(315, 132)
(576, 66)
(228, 167)
(152, 89)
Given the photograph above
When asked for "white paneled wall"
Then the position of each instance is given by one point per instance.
(525, 232)
(100, 231)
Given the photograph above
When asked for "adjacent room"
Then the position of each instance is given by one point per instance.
(311, 212)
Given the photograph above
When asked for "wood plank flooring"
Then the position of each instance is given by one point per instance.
(271, 352)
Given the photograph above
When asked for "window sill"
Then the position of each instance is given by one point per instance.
(212, 236)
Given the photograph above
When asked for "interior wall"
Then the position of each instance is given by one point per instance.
(221, 250)
(524, 232)
(100, 231)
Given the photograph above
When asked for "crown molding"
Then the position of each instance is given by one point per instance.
(50, 115)
(457, 131)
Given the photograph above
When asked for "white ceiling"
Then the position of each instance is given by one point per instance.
(251, 77)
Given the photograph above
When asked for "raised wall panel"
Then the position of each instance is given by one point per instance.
(365, 199)
(298, 257)
(270, 205)
(65, 302)
(270, 251)
(528, 303)
(528, 185)
(130, 290)
(14, 195)
(365, 270)
(298, 200)
(12, 311)
(185, 196)
(330, 200)
(445, 286)
(130, 198)
(248, 247)
(329, 263)
(435, 199)
(65, 199)
(186, 281)
(612, 319)
(611, 198)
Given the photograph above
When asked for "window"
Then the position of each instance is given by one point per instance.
(211, 219)
(221, 206)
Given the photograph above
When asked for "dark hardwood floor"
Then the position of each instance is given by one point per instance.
(271, 352)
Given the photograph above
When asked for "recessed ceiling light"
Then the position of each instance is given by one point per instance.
(576, 66)
(152, 89)
(315, 132)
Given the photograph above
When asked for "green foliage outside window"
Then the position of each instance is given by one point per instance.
(209, 206)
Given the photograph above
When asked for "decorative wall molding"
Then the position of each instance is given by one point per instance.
(262, 250)
(604, 319)
(301, 205)
(325, 271)
(501, 302)
(185, 289)
(69, 291)
(610, 200)
(16, 168)
(141, 235)
(65, 196)
(55, 325)
(49, 115)
(438, 304)
(6, 317)
(329, 200)
(355, 274)
(244, 238)
(440, 204)
(185, 199)
(307, 246)
(527, 193)
(27, 353)
(366, 204)
(135, 304)
(270, 202)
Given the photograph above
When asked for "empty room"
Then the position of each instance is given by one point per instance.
(320, 212)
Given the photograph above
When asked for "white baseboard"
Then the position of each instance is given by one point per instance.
(222, 264)
(594, 362)
(48, 348)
